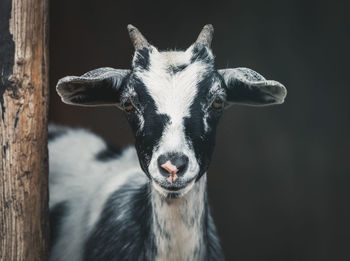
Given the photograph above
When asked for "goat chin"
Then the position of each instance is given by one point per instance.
(170, 193)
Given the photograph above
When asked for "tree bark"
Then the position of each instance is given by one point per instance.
(23, 130)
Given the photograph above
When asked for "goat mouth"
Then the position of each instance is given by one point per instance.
(173, 188)
(180, 188)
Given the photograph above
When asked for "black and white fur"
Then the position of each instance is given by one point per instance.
(103, 206)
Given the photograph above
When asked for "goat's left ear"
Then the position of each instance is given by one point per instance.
(245, 86)
(95, 88)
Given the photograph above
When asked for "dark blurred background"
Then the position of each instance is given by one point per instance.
(280, 176)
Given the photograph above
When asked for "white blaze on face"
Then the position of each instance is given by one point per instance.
(173, 94)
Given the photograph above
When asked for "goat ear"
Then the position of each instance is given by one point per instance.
(94, 88)
(245, 86)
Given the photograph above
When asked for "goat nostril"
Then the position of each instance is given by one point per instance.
(181, 162)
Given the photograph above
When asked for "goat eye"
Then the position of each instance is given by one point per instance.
(218, 103)
(128, 106)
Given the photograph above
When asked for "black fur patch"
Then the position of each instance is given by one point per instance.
(175, 69)
(142, 60)
(109, 153)
(123, 231)
(154, 124)
(57, 213)
(202, 142)
(212, 242)
(53, 134)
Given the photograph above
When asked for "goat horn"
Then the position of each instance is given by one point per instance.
(206, 35)
(137, 39)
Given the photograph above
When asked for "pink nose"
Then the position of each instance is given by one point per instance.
(169, 167)
(172, 169)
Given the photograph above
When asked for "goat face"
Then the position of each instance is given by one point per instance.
(177, 100)
(173, 101)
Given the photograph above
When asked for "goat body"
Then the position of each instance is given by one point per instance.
(103, 207)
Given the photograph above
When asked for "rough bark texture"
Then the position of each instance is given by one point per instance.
(23, 130)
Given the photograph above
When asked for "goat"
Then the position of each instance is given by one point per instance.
(102, 207)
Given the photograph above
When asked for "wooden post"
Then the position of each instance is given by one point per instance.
(23, 130)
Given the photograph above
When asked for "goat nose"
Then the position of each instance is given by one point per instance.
(174, 164)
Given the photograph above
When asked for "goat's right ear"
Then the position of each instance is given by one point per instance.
(95, 88)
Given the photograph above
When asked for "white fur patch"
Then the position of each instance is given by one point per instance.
(177, 224)
(84, 183)
(173, 94)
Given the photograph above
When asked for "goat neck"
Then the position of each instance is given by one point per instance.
(179, 224)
